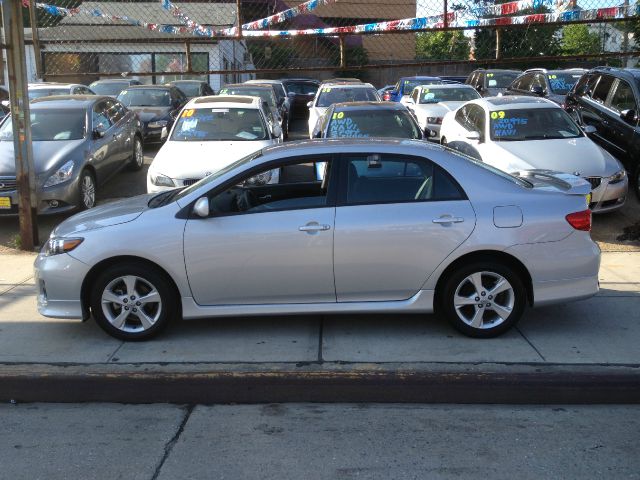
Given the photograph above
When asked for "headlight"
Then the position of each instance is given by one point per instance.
(62, 175)
(260, 179)
(434, 120)
(162, 180)
(57, 245)
(158, 124)
(618, 176)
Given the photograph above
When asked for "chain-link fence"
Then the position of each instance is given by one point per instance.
(158, 41)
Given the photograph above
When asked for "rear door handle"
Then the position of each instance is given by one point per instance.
(314, 227)
(448, 219)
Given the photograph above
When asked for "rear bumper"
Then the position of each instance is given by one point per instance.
(560, 291)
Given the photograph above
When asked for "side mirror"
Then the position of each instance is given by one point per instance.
(589, 129)
(99, 131)
(201, 207)
(309, 104)
(629, 116)
(478, 87)
(537, 90)
(276, 131)
(317, 134)
(473, 136)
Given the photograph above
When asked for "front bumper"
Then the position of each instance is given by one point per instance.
(59, 281)
(609, 197)
(154, 135)
(66, 195)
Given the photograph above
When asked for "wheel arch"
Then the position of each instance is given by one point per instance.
(90, 277)
(492, 256)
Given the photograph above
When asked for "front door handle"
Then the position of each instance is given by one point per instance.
(448, 219)
(314, 227)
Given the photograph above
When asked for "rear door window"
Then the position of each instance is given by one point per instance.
(623, 99)
(602, 88)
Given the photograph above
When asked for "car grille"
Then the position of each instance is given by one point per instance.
(8, 184)
(190, 181)
(594, 181)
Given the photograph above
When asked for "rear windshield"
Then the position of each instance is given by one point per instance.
(532, 124)
(373, 123)
(301, 88)
(500, 79)
(231, 124)
(265, 94)
(146, 97)
(330, 95)
(51, 125)
(109, 89)
(435, 95)
(47, 92)
(562, 82)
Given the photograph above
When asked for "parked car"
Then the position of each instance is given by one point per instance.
(193, 88)
(48, 89)
(382, 91)
(430, 103)
(284, 105)
(112, 87)
(157, 107)
(394, 226)
(405, 86)
(210, 134)
(79, 142)
(608, 99)
(300, 91)
(490, 83)
(517, 134)
(330, 93)
(263, 91)
(551, 84)
(453, 78)
(367, 119)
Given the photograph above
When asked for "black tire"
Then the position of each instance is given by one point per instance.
(87, 190)
(133, 329)
(137, 156)
(457, 279)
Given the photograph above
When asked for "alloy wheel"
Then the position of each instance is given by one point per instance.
(131, 304)
(138, 153)
(88, 191)
(484, 300)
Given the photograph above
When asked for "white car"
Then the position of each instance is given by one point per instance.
(516, 134)
(330, 93)
(430, 103)
(210, 134)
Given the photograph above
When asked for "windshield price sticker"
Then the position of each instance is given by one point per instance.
(553, 77)
(490, 75)
(339, 115)
(504, 126)
(326, 90)
(345, 128)
(496, 115)
(187, 113)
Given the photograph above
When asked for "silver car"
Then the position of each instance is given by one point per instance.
(394, 226)
(79, 142)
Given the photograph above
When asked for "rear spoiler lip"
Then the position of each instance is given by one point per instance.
(554, 180)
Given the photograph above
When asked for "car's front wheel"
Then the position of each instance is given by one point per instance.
(137, 157)
(87, 190)
(483, 299)
(133, 301)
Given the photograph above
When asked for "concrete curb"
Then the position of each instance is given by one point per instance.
(275, 383)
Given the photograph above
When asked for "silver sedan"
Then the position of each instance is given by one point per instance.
(393, 226)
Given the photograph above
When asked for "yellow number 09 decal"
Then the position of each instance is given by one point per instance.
(495, 115)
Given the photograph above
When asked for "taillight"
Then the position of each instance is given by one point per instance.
(386, 96)
(580, 220)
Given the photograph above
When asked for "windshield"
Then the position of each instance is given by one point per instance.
(188, 88)
(409, 85)
(435, 95)
(51, 125)
(47, 92)
(532, 124)
(562, 82)
(330, 95)
(266, 94)
(145, 97)
(110, 89)
(373, 123)
(500, 79)
(231, 124)
(301, 88)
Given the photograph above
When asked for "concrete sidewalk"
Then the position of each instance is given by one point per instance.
(595, 340)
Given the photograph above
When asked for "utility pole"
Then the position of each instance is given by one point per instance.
(20, 119)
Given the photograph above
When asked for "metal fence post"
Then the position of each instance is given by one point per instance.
(17, 72)
(498, 43)
(343, 60)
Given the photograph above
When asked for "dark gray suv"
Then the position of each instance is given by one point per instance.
(607, 98)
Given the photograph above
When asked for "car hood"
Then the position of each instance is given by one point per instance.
(147, 114)
(113, 213)
(575, 155)
(438, 109)
(198, 159)
(46, 155)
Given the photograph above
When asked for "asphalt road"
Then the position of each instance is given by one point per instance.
(606, 228)
(318, 441)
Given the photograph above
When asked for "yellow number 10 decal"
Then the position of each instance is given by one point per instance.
(338, 115)
(187, 113)
(496, 115)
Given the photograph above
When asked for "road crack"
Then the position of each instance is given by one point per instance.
(171, 443)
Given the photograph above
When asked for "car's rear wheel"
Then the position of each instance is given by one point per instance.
(87, 190)
(133, 301)
(137, 157)
(483, 299)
